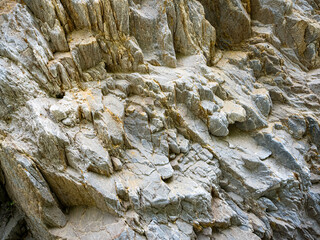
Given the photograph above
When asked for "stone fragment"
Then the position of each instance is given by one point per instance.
(314, 131)
(235, 233)
(263, 101)
(163, 166)
(185, 227)
(218, 124)
(315, 86)
(121, 191)
(183, 143)
(67, 111)
(84, 46)
(258, 225)
(297, 126)
(98, 159)
(117, 164)
(267, 204)
(222, 213)
(234, 112)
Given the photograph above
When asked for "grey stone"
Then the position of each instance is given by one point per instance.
(297, 126)
(121, 191)
(263, 101)
(315, 86)
(268, 204)
(222, 213)
(117, 164)
(163, 166)
(234, 112)
(218, 124)
(256, 67)
(314, 130)
(98, 158)
(281, 153)
(258, 225)
(183, 143)
(185, 227)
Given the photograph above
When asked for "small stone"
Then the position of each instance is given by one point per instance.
(85, 112)
(256, 66)
(165, 171)
(105, 90)
(173, 146)
(218, 124)
(222, 213)
(315, 86)
(207, 231)
(58, 112)
(68, 122)
(268, 204)
(252, 163)
(262, 100)
(234, 112)
(297, 126)
(209, 107)
(185, 227)
(111, 84)
(121, 191)
(183, 144)
(278, 126)
(123, 86)
(314, 131)
(117, 164)
(163, 166)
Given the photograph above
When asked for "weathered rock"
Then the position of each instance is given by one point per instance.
(97, 157)
(259, 226)
(235, 233)
(163, 166)
(267, 204)
(314, 131)
(223, 214)
(35, 190)
(170, 119)
(218, 124)
(292, 31)
(117, 164)
(12, 224)
(315, 86)
(297, 126)
(234, 112)
(263, 101)
(230, 30)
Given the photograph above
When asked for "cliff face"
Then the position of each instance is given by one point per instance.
(161, 119)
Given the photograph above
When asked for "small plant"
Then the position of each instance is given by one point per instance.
(10, 205)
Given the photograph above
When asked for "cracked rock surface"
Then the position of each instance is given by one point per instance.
(160, 119)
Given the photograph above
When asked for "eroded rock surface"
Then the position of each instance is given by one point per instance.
(170, 119)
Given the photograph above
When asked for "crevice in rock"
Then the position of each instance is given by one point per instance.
(12, 222)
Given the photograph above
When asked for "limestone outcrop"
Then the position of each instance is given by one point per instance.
(169, 119)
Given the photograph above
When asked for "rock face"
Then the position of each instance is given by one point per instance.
(169, 119)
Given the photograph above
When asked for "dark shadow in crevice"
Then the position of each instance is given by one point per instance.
(12, 222)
